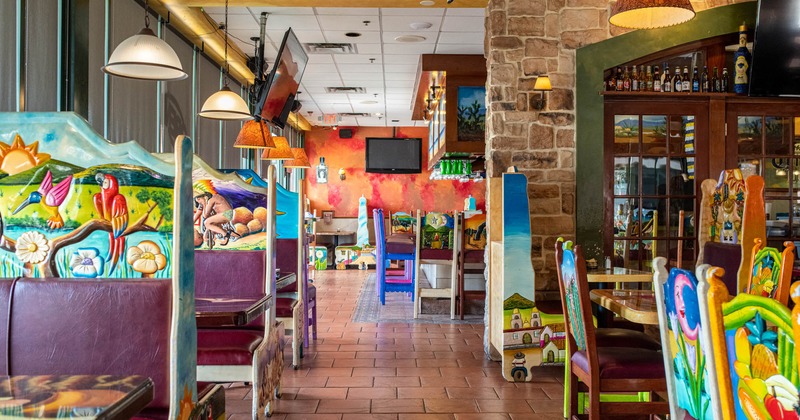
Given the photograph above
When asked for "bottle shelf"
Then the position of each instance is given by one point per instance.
(671, 95)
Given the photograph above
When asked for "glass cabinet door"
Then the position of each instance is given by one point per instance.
(652, 185)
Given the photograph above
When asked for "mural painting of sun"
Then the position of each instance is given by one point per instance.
(18, 157)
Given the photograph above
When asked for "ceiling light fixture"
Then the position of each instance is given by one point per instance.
(300, 160)
(254, 135)
(426, 3)
(420, 25)
(225, 104)
(145, 56)
(282, 151)
(352, 34)
(650, 14)
(410, 38)
(369, 102)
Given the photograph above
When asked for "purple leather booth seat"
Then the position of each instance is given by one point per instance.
(286, 261)
(436, 254)
(284, 306)
(105, 326)
(217, 347)
(622, 363)
(229, 273)
(5, 291)
(727, 256)
(400, 244)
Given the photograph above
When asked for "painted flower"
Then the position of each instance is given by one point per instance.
(146, 258)
(86, 263)
(32, 247)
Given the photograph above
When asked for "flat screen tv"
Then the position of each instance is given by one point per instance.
(278, 95)
(775, 70)
(394, 156)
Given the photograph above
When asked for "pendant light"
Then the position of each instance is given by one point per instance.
(282, 151)
(300, 160)
(225, 104)
(254, 135)
(145, 56)
(650, 14)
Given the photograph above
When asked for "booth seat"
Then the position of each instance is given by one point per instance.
(287, 262)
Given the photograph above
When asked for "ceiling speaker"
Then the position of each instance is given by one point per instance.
(345, 133)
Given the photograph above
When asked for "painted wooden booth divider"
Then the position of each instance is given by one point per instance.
(74, 205)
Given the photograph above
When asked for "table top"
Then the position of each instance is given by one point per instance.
(74, 396)
(226, 311)
(637, 306)
(335, 233)
(618, 275)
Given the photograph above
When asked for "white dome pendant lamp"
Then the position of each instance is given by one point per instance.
(225, 104)
(145, 56)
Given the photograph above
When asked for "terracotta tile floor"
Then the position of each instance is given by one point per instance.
(399, 371)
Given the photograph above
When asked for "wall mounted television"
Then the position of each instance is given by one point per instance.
(278, 94)
(394, 155)
(775, 70)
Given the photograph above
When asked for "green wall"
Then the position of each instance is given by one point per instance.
(590, 63)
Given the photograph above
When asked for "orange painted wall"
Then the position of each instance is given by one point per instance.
(392, 192)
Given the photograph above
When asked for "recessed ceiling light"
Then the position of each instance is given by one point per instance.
(410, 38)
(378, 114)
(420, 25)
(395, 121)
(352, 34)
(369, 102)
(426, 3)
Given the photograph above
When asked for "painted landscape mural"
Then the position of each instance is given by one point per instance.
(60, 217)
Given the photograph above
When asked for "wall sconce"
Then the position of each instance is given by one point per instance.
(342, 174)
(542, 85)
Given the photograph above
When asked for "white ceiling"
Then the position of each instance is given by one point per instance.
(389, 80)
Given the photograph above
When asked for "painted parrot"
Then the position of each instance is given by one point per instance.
(111, 206)
(53, 196)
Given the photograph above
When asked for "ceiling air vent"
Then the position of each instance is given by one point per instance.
(330, 48)
(345, 89)
(355, 114)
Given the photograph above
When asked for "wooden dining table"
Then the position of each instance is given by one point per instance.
(637, 306)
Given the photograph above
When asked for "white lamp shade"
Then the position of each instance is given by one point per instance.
(225, 105)
(145, 56)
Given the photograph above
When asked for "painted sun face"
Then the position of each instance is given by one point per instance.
(686, 306)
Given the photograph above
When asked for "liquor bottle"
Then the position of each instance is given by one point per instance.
(611, 82)
(619, 79)
(635, 80)
(715, 80)
(705, 84)
(626, 80)
(666, 79)
(725, 81)
(687, 82)
(657, 80)
(741, 61)
(648, 80)
(695, 80)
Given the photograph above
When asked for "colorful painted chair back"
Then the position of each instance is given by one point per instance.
(685, 352)
(475, 231)
(401, 222)
(771, 271)
(572, 276)
(727, 208)
(437, 231)
(754, 357)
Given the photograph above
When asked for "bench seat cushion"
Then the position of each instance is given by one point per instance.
(217, 347)
(621, 337)
(284, 306)
(400, 244)
(622, 363)
(436, 254)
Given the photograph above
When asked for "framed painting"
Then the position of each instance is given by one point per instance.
(471, 115)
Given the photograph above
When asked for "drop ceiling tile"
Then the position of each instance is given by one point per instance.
(356, 77)
(462, 23)
(281, 11)
(358, 97)
(330, 98)
(296, 22)
(397, 102)
(397, 88)
(410, 68)
(418, 48)
(360, 68)
(231, 10)
(311, 81)
(364, 11)
(339, 36)
(466, 11)
(459, 49)
(397, 97)
(312, 90)
(342, 107)
(399, 77)
(403, 23)
(320, 68)
(371, 122)
(401, 85)
(304, 36)
(413, 11)
(332, 78)
(353, 23)
(357, 58)
(237, 21)
(320, 59)
(368, 48)
(461, 37)
(389, 37)
(401, 59)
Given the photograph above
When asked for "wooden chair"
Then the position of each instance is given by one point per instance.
(603, 369)
(400, 247)
(439, 251)
(771, 271)
(471, 243)
(685, 350)
(754, 361)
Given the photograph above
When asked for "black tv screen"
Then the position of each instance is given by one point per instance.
(775, 70)
(277, 97)
(394, 156)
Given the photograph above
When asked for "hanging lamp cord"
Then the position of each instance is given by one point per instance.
(146, 16)
(225, 68)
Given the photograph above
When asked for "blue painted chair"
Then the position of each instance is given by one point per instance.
(394, 247)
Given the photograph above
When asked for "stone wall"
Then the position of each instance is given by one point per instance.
(526, 38)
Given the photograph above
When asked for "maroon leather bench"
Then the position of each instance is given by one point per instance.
(286, 260)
